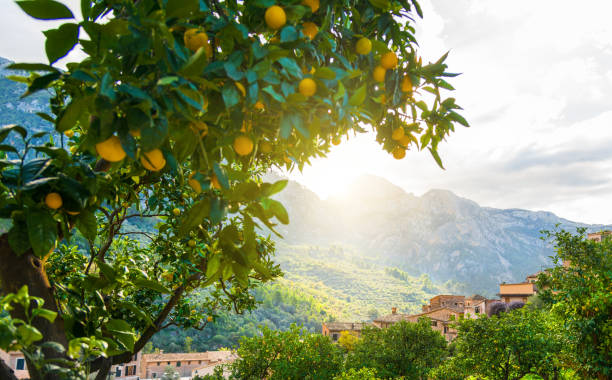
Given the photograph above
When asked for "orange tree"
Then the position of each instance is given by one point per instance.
(176, 110)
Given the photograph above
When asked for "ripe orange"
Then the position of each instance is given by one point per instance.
(69, 133)
(53, 201)
(399, 152)
(405, 140)
(153, 160)
(310, 30)
(398, 133)
(259, 106)
(265, 147)
(406, 84)
(214, 182)
(243, 145)
(111, 149)
(388, 60)
(195, 184)
(307, 87)
(336, 140)
(313, 4)
(275, 17)
(196, 38)
(363, 46)
(379, 74)
(209, 318)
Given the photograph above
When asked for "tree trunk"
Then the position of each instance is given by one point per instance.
(27, 269)
(6, 373)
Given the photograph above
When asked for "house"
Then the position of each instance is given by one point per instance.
(598, 236)
(441, 320)
(518, 292)
(16, 361)
(210, 369)
(152, 366)
(450, 301)
(390, 319)
(127, 371)
(333, 329)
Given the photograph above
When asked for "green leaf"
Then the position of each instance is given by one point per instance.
(107, 270)
(122, 332)
(42, 231)
(60, 41)
(213, 266)
(359, 96)
(291, 66)
(45, 9)
(28, 334)
(230, 94)
(44, 313)
(72, 113)
(436, 157)
(181, 8)
(276, 187)
(454, 116)
(217, 210)
(279, 211)
(153, 285)
(196, 64)
(31, 67)
(18, 238)
(288, 34)
(325, 73)
(87, 225)
(6, 129)
(193, 217)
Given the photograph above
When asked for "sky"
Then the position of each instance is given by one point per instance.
(536, 86)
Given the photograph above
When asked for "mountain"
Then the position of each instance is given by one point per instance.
(439, 233)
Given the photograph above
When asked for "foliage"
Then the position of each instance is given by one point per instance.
(170, 373)
(358, 374)
(507, 346)
(580, 295)
(404, 349)
(174, 114)
(347, 340)
(293, 354)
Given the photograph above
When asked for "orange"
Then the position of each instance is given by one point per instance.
(307, 87)
(336, 140)
(399, 152)
(405, 140)
(406, 84)
(111, 149)
(310, 29)
(313, 4)
(259, 106)
(398, 133)
(196, 38)
(191, 243)
(275, 17)
(209, 318)
(265, 147)
(153, 160)
(176, 211)
(388, 60)
(243, 145)
(363, 46)
(53, 201)
(214, 182)
(69, 133)
(379, 74)
(195, 184)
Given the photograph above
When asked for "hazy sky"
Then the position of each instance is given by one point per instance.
(536, 88)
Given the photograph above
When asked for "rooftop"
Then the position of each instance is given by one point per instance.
(345, 326)
(211, 356)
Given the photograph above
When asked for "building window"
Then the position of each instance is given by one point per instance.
(168, 363)
(434, 323)
(20, 364)
(130, 370)
(334, 337)
(158, 364)
(445, 329)
(154, 375)
(118, 372)
(199, 362)
(178, 364)
(477, 310)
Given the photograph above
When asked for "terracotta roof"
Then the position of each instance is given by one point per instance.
(346, 326)
(211, 356)
(392, 318)
(476, 297)
(434, 310)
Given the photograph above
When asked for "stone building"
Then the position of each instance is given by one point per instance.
(333, 329)
(152, 366)
(16, 361)
(127, 371)
(518, 292)
(450, 301)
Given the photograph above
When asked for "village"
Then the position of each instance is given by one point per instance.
(442, 310)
